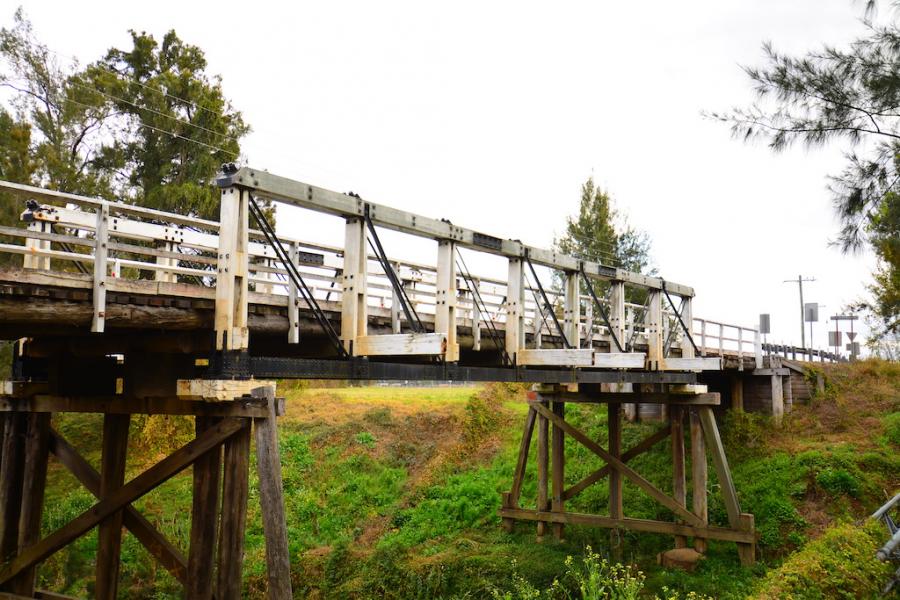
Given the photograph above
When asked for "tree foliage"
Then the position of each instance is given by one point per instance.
(599, 232)
(145, 124)
(849, 95)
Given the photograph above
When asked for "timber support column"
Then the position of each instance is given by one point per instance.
(616, 507)
(699, 477)
(558, 460)
(618, 321)
(231, 278)
(446, 298)
(354, 307)
(271, 497)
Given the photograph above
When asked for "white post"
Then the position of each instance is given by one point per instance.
(653, 325)
(354, 307)
(445, 300)
(589, 325)
(572, 309)
(476, 318)
(101, 255)
(35, 261)
(702, 337)
(165, 261)
(757, 348)
(721, 340)
(687, 316)
(740, 343)
(617, 315)
(515, 308)
(231, 277)
(293, 300)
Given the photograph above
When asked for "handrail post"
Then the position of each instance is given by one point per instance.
(703, 337)
(721, 340)
(36, 261)
(293, 299)
(101, 254)
(740, 352)
(757, 347)
(476, 315)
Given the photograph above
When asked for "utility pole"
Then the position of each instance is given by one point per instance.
(799, 281)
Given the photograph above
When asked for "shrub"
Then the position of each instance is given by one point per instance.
(365, 438)
(840, 564)
(892, 428)
(837, 482)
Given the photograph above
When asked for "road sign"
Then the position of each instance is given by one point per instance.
(811, 312)
(834, 338)
(765, 324)
(844, 318)
(853, 347)
(851, 335)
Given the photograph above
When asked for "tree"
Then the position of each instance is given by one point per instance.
(602, 234)
(66, 126)
(147, 125)
(179, 126)
(849, 95)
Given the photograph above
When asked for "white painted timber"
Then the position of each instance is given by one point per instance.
(562, 357)
(401, 344)
(445, 299)
(700, 363)
(515, 308)
(101, 255)
(218, 389)
(619, 360)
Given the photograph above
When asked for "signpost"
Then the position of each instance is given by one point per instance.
(811, 315)
(852, 346)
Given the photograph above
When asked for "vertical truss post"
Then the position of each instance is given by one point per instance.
(654, 329)
(515, 308)
(354, 307)
(101, 254)
(231, 278)
(293, 301)
(698, 477)
(572, 309)
(445, 300)
(34, 261)
(538, 325)
(618, 321)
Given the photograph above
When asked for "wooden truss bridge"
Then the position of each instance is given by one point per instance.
(123, 310)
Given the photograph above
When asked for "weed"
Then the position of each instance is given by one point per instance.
(365, 438)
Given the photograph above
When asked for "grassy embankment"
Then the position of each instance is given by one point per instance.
(393, 493)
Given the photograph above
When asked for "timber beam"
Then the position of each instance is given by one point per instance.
(246, 407)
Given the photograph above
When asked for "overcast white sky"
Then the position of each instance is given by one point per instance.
(493, 114)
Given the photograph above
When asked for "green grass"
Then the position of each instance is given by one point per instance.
(393, 493)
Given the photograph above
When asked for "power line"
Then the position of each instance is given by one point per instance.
(162, 114)
(122, 78)
(229, 153)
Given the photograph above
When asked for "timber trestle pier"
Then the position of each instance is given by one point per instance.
(121, 310)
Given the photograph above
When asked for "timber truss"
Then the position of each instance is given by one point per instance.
(124, 310)
(546, 413)
(219, 457)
